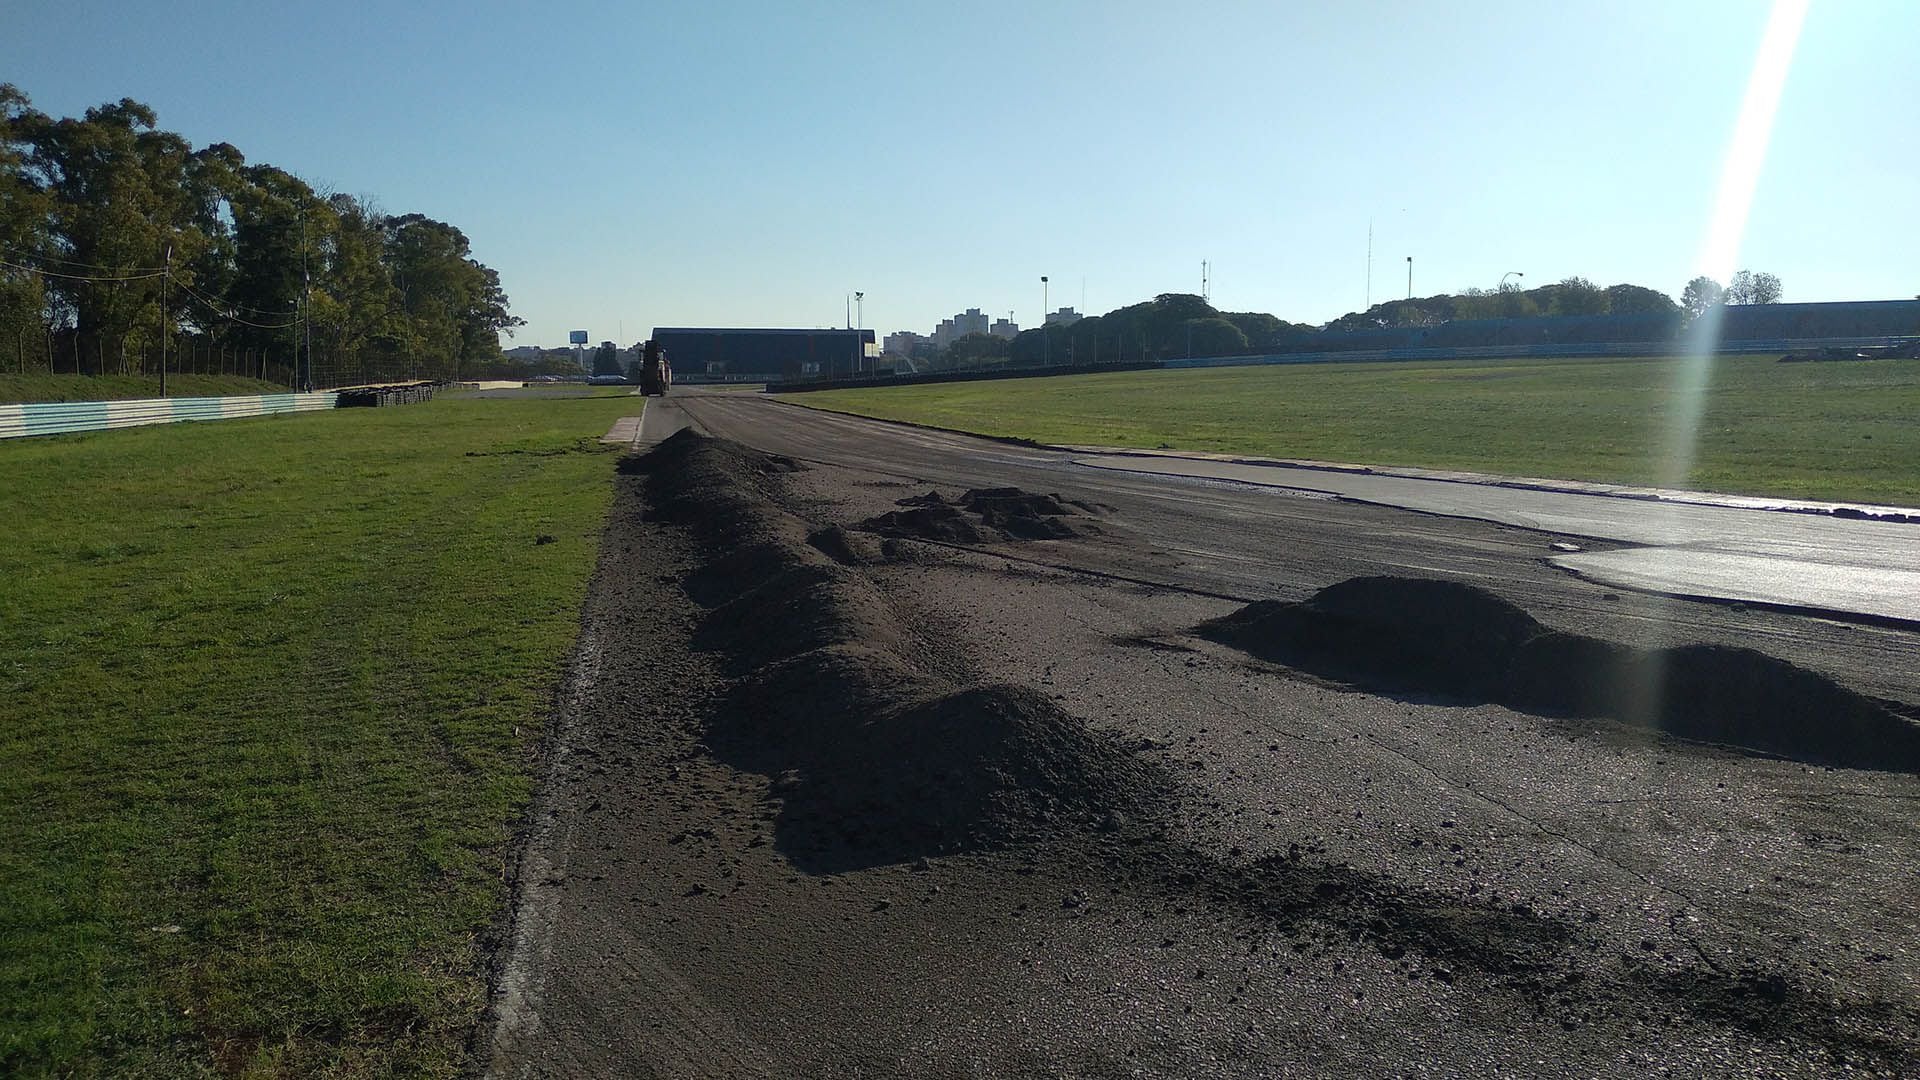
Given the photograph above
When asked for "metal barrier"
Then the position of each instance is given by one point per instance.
(67, 417)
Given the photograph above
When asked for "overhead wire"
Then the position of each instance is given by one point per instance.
(20, 251)
(142, 276)
(139, 273)
(226, 311)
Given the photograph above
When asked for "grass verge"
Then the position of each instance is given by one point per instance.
(1818, 431)
(122, 387)
(269, 691)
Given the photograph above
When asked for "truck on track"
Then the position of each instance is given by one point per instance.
(656, 374)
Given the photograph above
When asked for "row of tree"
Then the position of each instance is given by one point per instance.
(1181, 324)
(1169, 325)
(1573, 296)
(120, 244)
(1746, 287)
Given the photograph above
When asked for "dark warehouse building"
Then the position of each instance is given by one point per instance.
(772, 355)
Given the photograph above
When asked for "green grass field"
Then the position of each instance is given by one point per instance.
(121, 387)
(1843, 431)
(269, 695)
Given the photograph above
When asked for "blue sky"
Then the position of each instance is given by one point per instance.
(631, 165)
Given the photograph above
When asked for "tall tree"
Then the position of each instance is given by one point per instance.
(1700, 294)
(123, 236)
(25, 233)
(1636, 299)
(606, 359)
(1576, 296)
(1739, 288)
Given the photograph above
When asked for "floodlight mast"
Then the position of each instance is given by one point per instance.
(1046, 340)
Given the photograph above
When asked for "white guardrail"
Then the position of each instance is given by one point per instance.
(67, 417)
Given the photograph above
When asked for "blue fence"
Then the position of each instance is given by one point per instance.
(66, 417)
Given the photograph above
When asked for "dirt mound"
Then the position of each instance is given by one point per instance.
(942, 522)
(873, 773)
(875, 759)
(810, 606)
(984, 515)
(1016, 502)
(846, 548)
(1437, 638)
(802, 709)
(722, 491)
(1408, 635)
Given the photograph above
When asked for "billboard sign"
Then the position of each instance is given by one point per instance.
(576, 337)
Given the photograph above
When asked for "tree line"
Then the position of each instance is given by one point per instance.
(1182, 324)
(121, 244)
(1173, 325)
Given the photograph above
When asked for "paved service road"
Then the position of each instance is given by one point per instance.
(1798, 560)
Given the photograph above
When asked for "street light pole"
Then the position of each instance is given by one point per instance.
(1505, 276)
(1409, 277)
(1046, 340)
(859, 328)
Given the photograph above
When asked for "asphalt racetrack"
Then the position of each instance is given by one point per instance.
(894, 752)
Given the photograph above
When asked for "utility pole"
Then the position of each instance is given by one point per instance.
(164, 275)
(305, 344)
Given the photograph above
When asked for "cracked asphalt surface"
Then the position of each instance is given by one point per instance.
(1350, 883)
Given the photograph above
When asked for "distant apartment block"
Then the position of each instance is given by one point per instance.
(970, 321)
(901, 343)
(1066, 316)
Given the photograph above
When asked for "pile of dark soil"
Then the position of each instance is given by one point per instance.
(948, 524)
(985, 515)
(846, 548)
(875, 775)
(1419, 637)
(875, 760)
